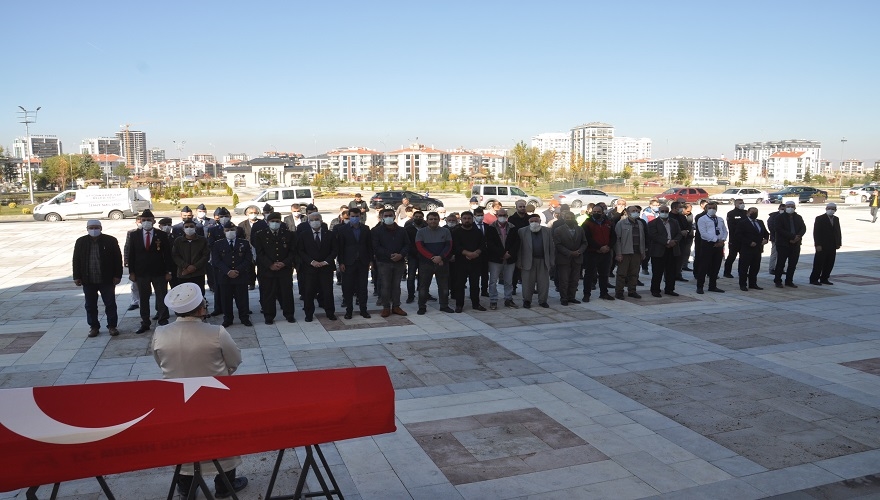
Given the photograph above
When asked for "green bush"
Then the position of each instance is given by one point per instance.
(26, 211)
(234, 199)
(228, 190)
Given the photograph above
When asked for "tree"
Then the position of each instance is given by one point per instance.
(743, 174)
(807, 176)
(122, 171)
(577, 167)
(681, 174)
(61, 169)
(627, 172)
(531, 160)
(89, 167)
(875, 175)
(304, 179)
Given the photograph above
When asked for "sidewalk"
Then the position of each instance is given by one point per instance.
(736, 395)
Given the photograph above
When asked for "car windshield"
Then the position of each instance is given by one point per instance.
(670, 191)
(572, 190)
(731, 191)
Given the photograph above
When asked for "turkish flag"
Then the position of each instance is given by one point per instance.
(55, 434)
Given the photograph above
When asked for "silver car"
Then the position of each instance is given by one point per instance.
(578, 197)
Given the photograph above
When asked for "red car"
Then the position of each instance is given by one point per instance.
(689, 194)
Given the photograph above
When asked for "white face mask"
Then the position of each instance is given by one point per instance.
(789, 210)
(534, 227)
(202, 214)
(741, 206)
(230, 235)
(252, 216)
(474, 207)
(478, 219)
(94, 233)
(711, 212)
(147, 225)
(189, 231)
(388, 220)
(830, 212)
(502, 220)
(274, 226)
(315, 224)
(451, 224)
(167, 229)
(224, 220)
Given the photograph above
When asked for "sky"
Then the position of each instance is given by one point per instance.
(307, 77)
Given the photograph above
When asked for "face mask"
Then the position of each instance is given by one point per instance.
(202, 215)
(167, 229)
(139, 225)
(753, 216)
(741, 206)
(789, 210)
(478, 219)
(664, 215)
(189, 231)
(534, 227)
(419, 222)
(830, 212)
(274, 226)
(252, 216)
(315, 224)
(655, 209)
(633, 215)
(681, 210)
(711, 212)
(597, 215)
(474, 207)
(451, 224)
(502, 220)
(782, 210)
(230, 235)
(94, 233)
(354, 220)
(224, 220)
(388, 220)
(147, 225)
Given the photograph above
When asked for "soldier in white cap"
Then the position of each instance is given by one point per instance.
(189, 347)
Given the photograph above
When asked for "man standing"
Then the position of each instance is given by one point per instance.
(412, 260)
(434, 244)
(317, 255)
(252, 215)
(599, 233)
(355, 255)
(713, 234)
(630, 242)
(771, 228)
(537, 255)
(202, 217)
(502, 248)
(358, 202)
(133, 290)
(190, 253)
(752, 236)
(390, 248)
(790, 230)
(874, 203)
(826, 237)
(570, 243)
(295, 217)
(401, 209)
(191, 348)
(150, 265)
(215, 233)
(186, 214)
(234, 261)
(734, 217)
(97, 268)
(519, 219)
(276, 255)
(664, 235)
(468, 244)
(481, 225)
(686, 223)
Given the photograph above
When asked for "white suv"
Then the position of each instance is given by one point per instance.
(507, 195)
(863, 192)
(281, 198)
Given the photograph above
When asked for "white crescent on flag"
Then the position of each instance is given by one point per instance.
(20, 414)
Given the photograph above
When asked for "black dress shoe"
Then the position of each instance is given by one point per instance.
(728, 275)
(700, 291)
(347, 315)
(686, 269)
(826, 282)
(817, 283)
(634, 295)
(715, 289)
(484, 294)
(227, 324)
(410, 299)
(309, 319)
(563, 302)
(605, 296)
(790, 284)
(744, 288)
(238, 484)
(156, 316)
(133, 307)
(639, 283)
(656, 294)
(421, 311)
(143, 329)
(576, 301)
(755, 287)
(431, 298)
(365, 314)
(446, 309)
(457, 309)
(527, 304)
(290, 319)
(246, 322)
(779, 285)
(269, 321)
(332, 317)
(544, 305)
(671, 293)
(618, 296)
(479, 307)
(681, 278)
(163, 322)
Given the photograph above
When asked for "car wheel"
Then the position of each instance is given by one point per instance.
(810, 199)
(577, 204)
(389, 205)
(116, 215)
(431, 207)
(53, 217)
(758, 201)
(864, 199)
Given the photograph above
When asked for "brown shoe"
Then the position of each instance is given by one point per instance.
(398, 311)
(113, 332)
(385, 312)
(93, 332)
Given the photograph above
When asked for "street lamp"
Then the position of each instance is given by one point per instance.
(27, 121)
(840, 169)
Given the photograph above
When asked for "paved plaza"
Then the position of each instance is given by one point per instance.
(741, 395)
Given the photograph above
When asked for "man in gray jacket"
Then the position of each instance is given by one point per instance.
(629, 251)
(570, 247)
(537, 255)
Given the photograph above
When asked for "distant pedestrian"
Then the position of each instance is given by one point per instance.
(874, 203)
(97, 268)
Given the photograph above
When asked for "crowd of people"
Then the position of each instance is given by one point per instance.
(468, 255)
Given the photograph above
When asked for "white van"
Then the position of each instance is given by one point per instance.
(94, 203)
(280, 198)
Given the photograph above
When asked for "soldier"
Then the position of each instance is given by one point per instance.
(186, 214)
(234, 261)
(276, 255)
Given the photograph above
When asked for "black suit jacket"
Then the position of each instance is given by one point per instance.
(239, 258)
(495, 249)
(657, 237)
(109, 255)
(826, 234)
(782, 225)
(309, 249)
(155, 261)
(353, 249)
(746, 234)
(270, 248)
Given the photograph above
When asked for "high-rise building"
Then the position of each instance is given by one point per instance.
(789, 166)
(356, 163)
(202, 157)
(852, 167)
(235, 156)
(155, 155)
(101, 146)
(592, 142)
(627, 149)
(417, 161)
(464, 162)
(559, 143)
(134, 147)
(41, 146)
(761, 151)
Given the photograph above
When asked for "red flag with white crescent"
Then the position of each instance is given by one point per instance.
(60, 433)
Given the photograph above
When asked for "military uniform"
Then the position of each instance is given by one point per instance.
(275, 285)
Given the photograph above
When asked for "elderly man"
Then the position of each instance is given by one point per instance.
(502, 248)
(401, 209)
(150, 265)
(191, 348)
(358, 202)
(97, 268)
(318, 249)
(664, 235)
(570, 244)
(713, 233)
(630, 244)
(537, 255)
(826, 237)
(190, 254)
(752, 236)
(790, 230)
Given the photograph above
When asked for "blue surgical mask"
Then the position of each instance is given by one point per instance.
(664, 215)
(633, 215)
(274, 226)
(388, 220)
(354, 220)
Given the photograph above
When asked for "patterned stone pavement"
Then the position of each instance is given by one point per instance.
(759, 394)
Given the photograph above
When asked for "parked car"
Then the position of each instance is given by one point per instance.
(748, 195)
(393, 199)
(805, 194)
(578, 197)
(506, 194)
(864, 192)
(723, 182)
(281, 198)
(652, 184)
(690, 194)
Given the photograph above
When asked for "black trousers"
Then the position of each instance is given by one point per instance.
(198, 279)
(709, 263)
(412, 268)
(277, 287)
(215, 287)
(108, 296)
(687, 243)
(823, 263)
(146, 285)
(314, 281)
(237, 292)
(484, 274)
(467, 271)
(354, 282)
(427, 272)
(749, 264)
(790, 254)
(210, 273)
(598, 267)
(666, 269)
(733, 248)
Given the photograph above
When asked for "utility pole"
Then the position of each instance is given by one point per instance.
(26, 119)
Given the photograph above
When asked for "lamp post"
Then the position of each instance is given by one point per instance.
(840, 169)
(26, 119)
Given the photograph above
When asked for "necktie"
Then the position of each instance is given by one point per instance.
(147, 242)
(755, 223)
(231, 243)
(317, 236)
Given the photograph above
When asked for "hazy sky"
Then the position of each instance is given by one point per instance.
(306, 76)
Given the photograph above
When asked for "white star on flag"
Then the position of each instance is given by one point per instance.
(191, 385)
